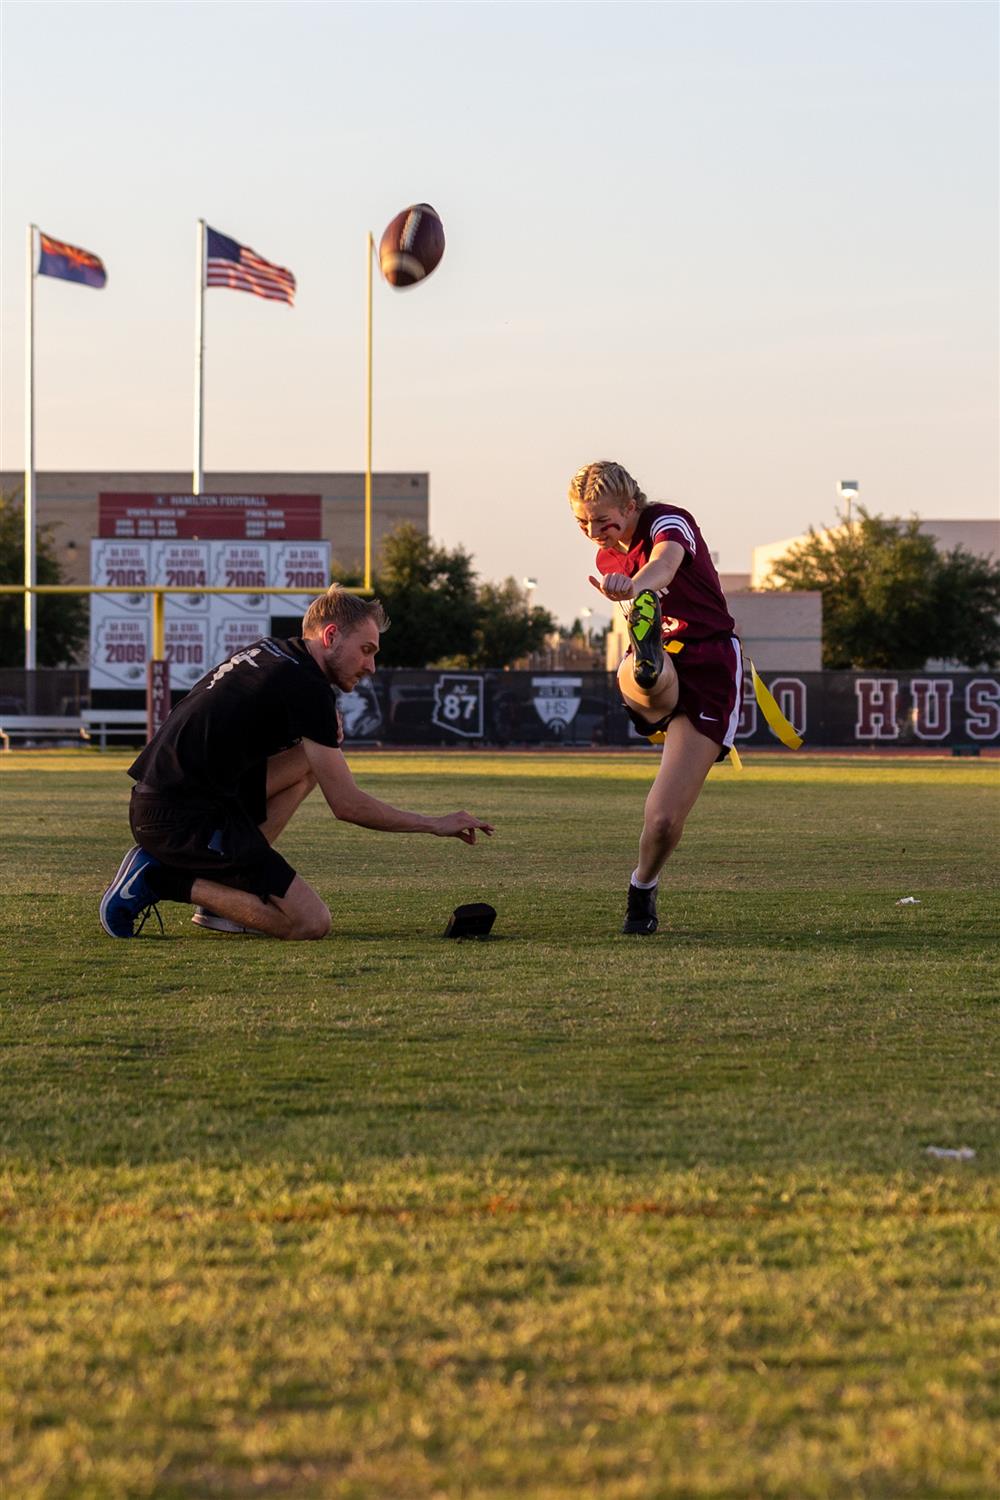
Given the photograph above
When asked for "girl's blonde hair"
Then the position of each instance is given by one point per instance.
(605, 480)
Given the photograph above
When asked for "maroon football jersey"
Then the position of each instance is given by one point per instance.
(694, 606)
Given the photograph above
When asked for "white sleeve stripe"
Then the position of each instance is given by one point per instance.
(673, 523)
(678, 523)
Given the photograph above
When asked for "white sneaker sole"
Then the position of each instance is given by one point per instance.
(213, 923)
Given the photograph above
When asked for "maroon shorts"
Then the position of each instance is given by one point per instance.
(710, 679)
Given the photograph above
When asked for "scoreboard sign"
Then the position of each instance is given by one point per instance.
(260, 518)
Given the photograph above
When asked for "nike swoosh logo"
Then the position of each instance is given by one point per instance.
(126, 891)
(713, 717)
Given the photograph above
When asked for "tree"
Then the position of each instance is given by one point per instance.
(62, 619)
(508, 626)
(442, 615)
(892, 600)
(348, 575)
(430, 595)
(967, 608)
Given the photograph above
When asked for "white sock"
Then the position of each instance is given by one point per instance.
(643, 885)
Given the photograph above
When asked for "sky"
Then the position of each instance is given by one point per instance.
(745, 250)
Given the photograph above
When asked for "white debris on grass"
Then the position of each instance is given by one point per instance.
(908, 901)
(951, 1153)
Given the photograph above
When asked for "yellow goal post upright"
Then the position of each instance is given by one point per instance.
(158, 683)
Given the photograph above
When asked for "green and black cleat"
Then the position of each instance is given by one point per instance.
(645, 631)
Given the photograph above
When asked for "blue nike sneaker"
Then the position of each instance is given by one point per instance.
(128, 897)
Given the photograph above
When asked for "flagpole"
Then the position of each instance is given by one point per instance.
(30, 561)
(370, 256)
(198, 475)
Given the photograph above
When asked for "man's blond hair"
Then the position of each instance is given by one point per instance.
(346, 611)
(605, 480)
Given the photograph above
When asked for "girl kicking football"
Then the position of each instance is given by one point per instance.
(683, 672)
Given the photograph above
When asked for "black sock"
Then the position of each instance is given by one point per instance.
(169, 885)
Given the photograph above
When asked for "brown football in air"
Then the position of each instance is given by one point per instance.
(412, 246)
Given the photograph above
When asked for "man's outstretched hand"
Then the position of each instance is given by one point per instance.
(461, 825)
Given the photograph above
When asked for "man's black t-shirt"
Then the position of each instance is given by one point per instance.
(217, 740)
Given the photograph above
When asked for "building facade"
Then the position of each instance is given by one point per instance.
(68, 503)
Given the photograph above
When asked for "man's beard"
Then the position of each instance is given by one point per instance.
(336, 673)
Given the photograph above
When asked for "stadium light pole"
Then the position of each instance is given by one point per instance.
(847, 489)
(529, 585)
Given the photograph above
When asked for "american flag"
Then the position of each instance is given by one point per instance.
(233, 265)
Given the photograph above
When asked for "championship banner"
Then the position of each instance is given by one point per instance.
(119, 650)
(186, 642)
(181, 565)
(119, 623)
(121, 565)
(238, 565)
(301, 565)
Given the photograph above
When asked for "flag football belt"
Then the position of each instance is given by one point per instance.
(775, 720)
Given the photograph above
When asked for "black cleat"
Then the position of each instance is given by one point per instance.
(640, 914)
(645, 631)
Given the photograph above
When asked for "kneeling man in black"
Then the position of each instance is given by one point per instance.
(234, 760)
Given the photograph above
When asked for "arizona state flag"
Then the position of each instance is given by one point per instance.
(70, 263)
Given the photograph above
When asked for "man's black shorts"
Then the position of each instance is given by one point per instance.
(214, 840)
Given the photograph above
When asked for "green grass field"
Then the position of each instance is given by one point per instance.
(562, 1214)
